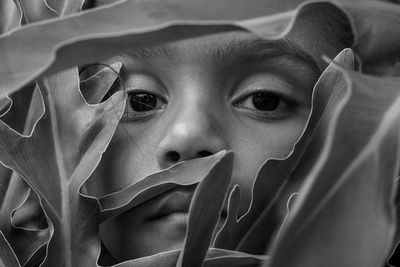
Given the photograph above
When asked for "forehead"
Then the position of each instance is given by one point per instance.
(219, 45)
(230, 47)
(235, 46)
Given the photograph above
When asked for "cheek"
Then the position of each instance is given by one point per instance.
(129, 158)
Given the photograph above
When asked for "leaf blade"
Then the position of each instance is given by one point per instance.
(208, 199)
(362, 178)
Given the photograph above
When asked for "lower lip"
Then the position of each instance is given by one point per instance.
(182, 218)
(178, 217)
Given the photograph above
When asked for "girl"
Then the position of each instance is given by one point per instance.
(194, 98)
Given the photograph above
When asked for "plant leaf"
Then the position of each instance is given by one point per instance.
(7, 256)
(36, 10)
(57, 158)
(225, 238)
(20, 208)
(377, 35)
(282, 177)
(40, 10)
(5, 105)
(126, 25)
(10, 16)
(204, 212)
(214, 258)
(345, 210)
(65, 7)
(59, 38)
(25, 242)
(184, 173)
(95, 88)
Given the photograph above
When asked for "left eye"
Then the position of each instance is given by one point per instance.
(265, 104)
(265, 101)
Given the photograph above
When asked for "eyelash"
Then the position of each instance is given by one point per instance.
(290, 105)
(141, 115)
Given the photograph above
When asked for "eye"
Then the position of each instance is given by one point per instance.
(141, 104)
(265, 101)
(266, 104)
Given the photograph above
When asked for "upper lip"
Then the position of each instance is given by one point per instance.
(174, 201)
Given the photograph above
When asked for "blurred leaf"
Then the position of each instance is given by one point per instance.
(165, 259)
(30, 214)
(13, 193)
(113, 29)
(277, 179)
(397, 203)
(226, 237)
(204, 212)
(57, 158)
(10, 16)
(95, 88)
(36, 10)
(5, 104)
(221, 258)
(65, 7)
(19, 207)
(23, 224)
(214, 258)
(184, 173)
(40, 10)
(7, 256)
(345, 212)
(26, 109)
(25, 242)
(377, 32)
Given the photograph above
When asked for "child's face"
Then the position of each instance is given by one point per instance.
(191, 99)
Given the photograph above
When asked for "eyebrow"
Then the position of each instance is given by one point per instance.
(258, 50)
(253, 51)
(162, 51)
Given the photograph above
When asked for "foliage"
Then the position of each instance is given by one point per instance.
(52, 139)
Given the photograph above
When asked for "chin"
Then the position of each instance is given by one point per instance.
(136, 241)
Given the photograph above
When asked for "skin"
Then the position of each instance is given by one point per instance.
(205, 90)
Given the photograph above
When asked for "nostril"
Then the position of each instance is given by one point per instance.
(173, 156)
(204, 154)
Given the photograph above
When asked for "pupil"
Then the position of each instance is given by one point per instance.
(266, 101)
(143, 102)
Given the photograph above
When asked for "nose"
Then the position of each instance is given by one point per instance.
(193, 133)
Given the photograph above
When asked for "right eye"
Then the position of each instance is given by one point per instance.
(142, 104)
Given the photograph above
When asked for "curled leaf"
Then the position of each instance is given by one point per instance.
(214, 258)
(21, 216)
(96, 86)
(36, 10)
(67, 151)
(125, 25)
(277, 179)
(7, 256)
(345, 210)
(10, 16)
(204, 213)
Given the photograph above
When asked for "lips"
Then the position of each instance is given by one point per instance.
(174, 202)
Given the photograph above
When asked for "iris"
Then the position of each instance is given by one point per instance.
(142, 102)
(266, 101)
